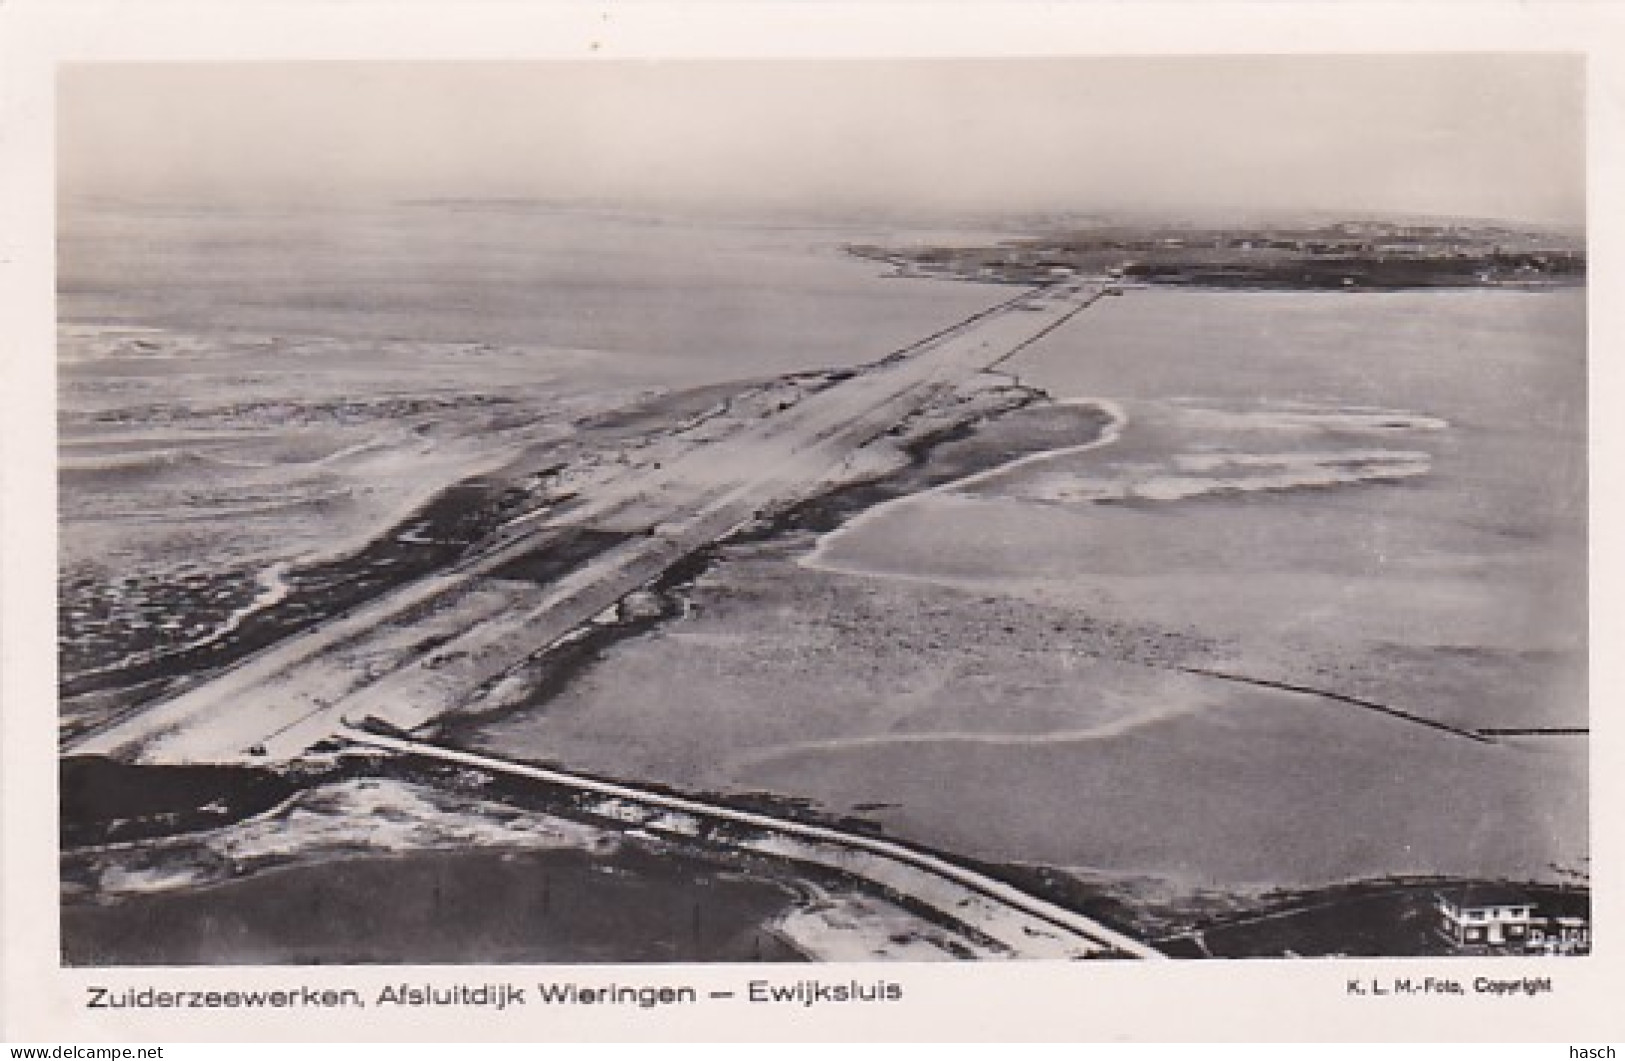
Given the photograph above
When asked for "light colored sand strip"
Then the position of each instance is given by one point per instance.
(278, 703)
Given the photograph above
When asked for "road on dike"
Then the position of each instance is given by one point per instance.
(1002, 920)
(371, 676)
(420, 651)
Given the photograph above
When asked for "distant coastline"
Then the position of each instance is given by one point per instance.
(1355, 256)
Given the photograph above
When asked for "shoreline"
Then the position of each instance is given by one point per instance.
(1257, 923)
(850, 504)
(1116, 421)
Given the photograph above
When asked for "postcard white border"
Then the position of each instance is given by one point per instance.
(1204, 1001)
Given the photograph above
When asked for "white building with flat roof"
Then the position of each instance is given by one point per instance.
(1488, 915)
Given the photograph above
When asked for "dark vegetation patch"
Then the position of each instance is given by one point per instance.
(1391, 917)
(285, 413)
(455, 899)
(659, 412)
(550, 672)
(1384, 918)
(445, 907)
(1360, 255)
(105, 801)
(105, 616)
(671, 898)
(126, 641)
(137, 663)
(956, 451)
(1355, 272)
(126, 638)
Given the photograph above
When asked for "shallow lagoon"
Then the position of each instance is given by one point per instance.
(1380, 495)
(1379, 491)
(1393, 510)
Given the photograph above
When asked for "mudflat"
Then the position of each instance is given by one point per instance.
(1376, 497)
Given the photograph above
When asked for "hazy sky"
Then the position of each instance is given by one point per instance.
(1499, 136)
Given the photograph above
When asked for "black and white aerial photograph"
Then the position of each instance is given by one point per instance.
(798, 511)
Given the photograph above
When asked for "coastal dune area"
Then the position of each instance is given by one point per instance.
(1156, 608)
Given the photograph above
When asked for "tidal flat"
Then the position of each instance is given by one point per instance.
(1379, 497)
(1238, 609)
